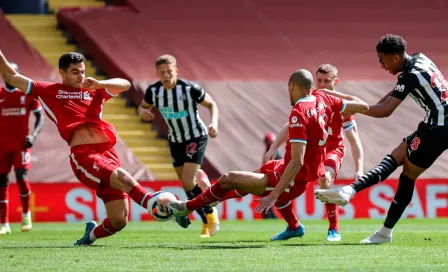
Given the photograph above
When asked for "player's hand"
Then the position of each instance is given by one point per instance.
(213, 130)
(146, 114)
(358, 175)
(270, 155)
(91, 83)
(266, 203)
(29, 141)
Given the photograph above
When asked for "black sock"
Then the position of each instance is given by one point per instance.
(201, 211)
(402, 198)
(376, 175)
(197, 191)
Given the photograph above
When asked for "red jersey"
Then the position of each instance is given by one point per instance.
(15, 108)
(307, 125)
(69, 107)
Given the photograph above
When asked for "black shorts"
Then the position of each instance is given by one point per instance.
(426, 144)
(192, 151)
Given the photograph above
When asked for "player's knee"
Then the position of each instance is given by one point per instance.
(188, 183)
(119, 223)
(4, 180)
(21, 174)
(126, 179)
(399, 153)
(228, 180)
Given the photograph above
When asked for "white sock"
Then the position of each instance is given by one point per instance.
(27, 215)
(385, 231)
(349, 190)
(6, 225)
(92, 236)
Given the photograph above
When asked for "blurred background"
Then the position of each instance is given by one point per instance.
(242, 52)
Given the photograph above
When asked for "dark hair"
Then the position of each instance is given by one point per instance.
(165, 59)
(391, 44)
(327, 69)
(69, 58)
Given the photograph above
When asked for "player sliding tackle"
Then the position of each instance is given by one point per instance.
(279, 182)
(75, 107)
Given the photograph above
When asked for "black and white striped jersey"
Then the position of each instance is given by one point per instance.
(426, 85)
(178, 107)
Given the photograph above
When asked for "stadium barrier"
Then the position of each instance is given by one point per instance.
(72, 202)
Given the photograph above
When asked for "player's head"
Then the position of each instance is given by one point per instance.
(166, 69)
(391, 51)
(72, 69)
(327, 77)
(300, 85)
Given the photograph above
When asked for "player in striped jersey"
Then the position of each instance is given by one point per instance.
(177, 100)
(424, 83)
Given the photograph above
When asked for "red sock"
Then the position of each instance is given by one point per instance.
(333, 216)
(140, 195)
(24, 191)
(214, 193)
(4, 211)
(234, 194)
(289, 215)
(103, 230)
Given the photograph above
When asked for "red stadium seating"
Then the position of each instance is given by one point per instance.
(244, 51)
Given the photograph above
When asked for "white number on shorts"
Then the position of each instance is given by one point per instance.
(322, 124)
(26, 158)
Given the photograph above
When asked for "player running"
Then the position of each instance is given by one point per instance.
(327, 78)
(421, 79)
(279, 182)
(177, 100)
(15, 148)
(75, 107)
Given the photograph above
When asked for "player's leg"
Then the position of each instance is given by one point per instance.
(4, 201)
(253, 183)
(423, 150)
(117, 218)
(5, 167)
(374, 176)
(121, 180)
(24, 193)
(202, 180)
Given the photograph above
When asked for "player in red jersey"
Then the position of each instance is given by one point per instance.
(75, 106)
(15, 148)
(281, 181)
(326, 78)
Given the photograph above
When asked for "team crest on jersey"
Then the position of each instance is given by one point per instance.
(22, 99)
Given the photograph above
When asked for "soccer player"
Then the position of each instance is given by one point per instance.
(279, 182)
(421, 79)
(177, 100)
(75, 107)
(15, 148)
(327, 78)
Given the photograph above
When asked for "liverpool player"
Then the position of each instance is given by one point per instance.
(15, 148)
(279, 182)
(75, 106)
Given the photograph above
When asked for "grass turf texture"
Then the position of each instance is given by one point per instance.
(239, 246)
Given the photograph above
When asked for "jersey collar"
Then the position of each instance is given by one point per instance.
(10, 90)
(309, 98)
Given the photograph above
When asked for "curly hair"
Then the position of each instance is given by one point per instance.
(391, 44)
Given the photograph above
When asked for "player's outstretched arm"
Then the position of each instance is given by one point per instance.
(355, 105)
(211, 105)
(282, 137)
(114, 85)
(385, 108)
(293, 167)
(11, 77)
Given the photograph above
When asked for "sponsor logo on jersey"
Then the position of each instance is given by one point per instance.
(73, 95)
(400, 88)
(169, 113)
(13, 111)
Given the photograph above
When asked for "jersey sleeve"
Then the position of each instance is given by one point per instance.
(197, 93)
(149, 96)
(297, 128)
(35, 105)
(37, 88)
(106, 94)
(406, 83)
(337, 104)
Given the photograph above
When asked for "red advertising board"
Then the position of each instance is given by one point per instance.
(69, 202)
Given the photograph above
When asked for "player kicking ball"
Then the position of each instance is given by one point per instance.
(75, 107)
(279, 182)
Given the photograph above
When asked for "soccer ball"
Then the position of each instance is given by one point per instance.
(158, 200)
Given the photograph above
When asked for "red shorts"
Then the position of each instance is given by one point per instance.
(334, 159)
(93, 165)
(19, 159)
(274, 171)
